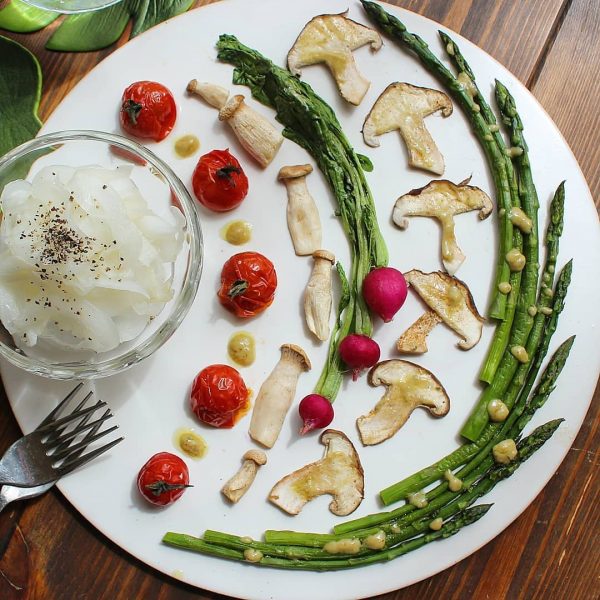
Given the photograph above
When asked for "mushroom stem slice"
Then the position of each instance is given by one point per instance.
(408, 386)
(239, 484)
(339, 474)
(256, 133)
(303, 219)
(414, 339)
(442, 200)
(403, 106)
(318, 296)
(276, 395)
(330, 39)
(212, 94)
(451, 299)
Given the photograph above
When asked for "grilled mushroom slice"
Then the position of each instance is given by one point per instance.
(442, 199)
(276, 395)
(330, 39)
(451, 299)
(403, 106)
(408, 386)
(414, 339)
(339, 474)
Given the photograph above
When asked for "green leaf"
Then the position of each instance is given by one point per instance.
(99, 29)
(92, 30)
(153, 12)
(365, 162)
(20, 92)
(19, 17)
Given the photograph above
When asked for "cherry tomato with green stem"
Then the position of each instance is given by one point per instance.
(248, 284)
(219, 182)
(163, 479)
(148, 110)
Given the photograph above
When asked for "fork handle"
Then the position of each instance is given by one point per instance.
(4, 502)
(18, 475)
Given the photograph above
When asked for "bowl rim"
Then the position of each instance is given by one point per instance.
(70, 10)
(184, 300)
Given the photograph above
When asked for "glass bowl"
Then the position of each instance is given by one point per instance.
(71, 6)
(163, 191)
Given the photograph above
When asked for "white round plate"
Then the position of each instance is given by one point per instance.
(150, 400)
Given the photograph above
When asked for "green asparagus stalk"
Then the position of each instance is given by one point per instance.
(511, 334)
(480, 458)
(312, 124)
(500, 339)
(547, 303)
(287, 554)
(492, 146)
(462, 519)
(525, 312)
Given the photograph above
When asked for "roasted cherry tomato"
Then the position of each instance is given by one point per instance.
(219, 396)
(148, 110)
(219, 182)
(163, 479)
(248, 283)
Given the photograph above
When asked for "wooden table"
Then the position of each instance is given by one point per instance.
(48, 551)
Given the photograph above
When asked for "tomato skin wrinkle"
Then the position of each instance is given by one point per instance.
(148, 110)
(248, 284)
(219, 182)
(219, 396)
(163, 479)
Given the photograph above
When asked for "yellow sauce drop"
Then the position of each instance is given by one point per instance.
(186, 145)
(375, 541)
(418, 499)
(237, 232)
(344, 546)
(504, 287)
(242, 348)
(505, 451)
(190, 443)
(252, 555)
(497, 410)
(516, 260)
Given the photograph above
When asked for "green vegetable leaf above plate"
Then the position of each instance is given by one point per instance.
(20, 91)
(94, 30)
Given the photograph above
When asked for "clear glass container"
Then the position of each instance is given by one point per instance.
(71, 6)
(162, 190)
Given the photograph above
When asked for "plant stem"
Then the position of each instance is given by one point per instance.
(524, 317)
(312, 124)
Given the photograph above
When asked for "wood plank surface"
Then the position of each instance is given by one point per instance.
(48, 551)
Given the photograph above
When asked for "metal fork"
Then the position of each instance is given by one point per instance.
(10, 493)
(55, 447)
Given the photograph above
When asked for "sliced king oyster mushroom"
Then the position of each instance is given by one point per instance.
(408, 386)
(451, 299)
(339, 474)
(442, 200)
(403, 107)
(330, 39)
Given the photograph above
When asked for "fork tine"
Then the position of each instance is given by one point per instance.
(60, 405)
(51, 427)
(60, 430)
(69, 465)
(76, 449)
(81, 427)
